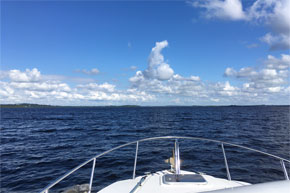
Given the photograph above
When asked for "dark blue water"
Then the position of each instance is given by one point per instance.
(39, 145)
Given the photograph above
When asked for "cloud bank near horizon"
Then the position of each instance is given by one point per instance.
(156, 85)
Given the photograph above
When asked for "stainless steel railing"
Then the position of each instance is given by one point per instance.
(177, 169)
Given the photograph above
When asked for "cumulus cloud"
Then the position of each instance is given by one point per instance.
(5, 89)
(228, 9)
(277, 42)
(41, 86)
(159, 77)
(274, 14)
(107, 92)
(157, 67)
(267, 83)
(224, 89)
(273, 77)
(258, 85)
(158, 70)
(30, 86)
(27, 76)
(177, 85)
(279, 64)
(99, 87)
(243, 72)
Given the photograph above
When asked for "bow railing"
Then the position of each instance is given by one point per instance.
(176, 157)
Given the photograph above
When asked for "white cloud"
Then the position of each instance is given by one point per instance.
(99, 87)
(93, 71)
(74, 79)
(276, 15)
(246, 71)
(215, 99)
(29, 85)
(243, 72)
(224, 89)
(258, 85)
(32, 87)
(27, 76)
(278, 64)
(277, 42)
(159, 77)
(268, 84)
(228, 9)
(274, 89)
(272, 13)
(107, 92)
(230, 72)
(41, 86)
(164, 72)
(157, 68)
(273, 77)
(6, 90)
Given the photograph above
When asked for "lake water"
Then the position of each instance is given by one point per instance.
(38, 145)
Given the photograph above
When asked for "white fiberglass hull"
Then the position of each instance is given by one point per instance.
(155, 183)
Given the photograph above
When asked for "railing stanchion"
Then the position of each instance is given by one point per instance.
(226, 163)
(135, 162)
(92, 175)
(284, 169)
(176, 158)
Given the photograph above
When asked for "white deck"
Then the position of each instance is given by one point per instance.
(154, 183)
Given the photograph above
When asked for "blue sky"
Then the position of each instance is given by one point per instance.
(88, 52)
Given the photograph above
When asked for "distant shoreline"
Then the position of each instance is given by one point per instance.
(28, 105)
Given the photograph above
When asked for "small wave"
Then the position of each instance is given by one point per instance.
(46, 131)
(59, 147)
